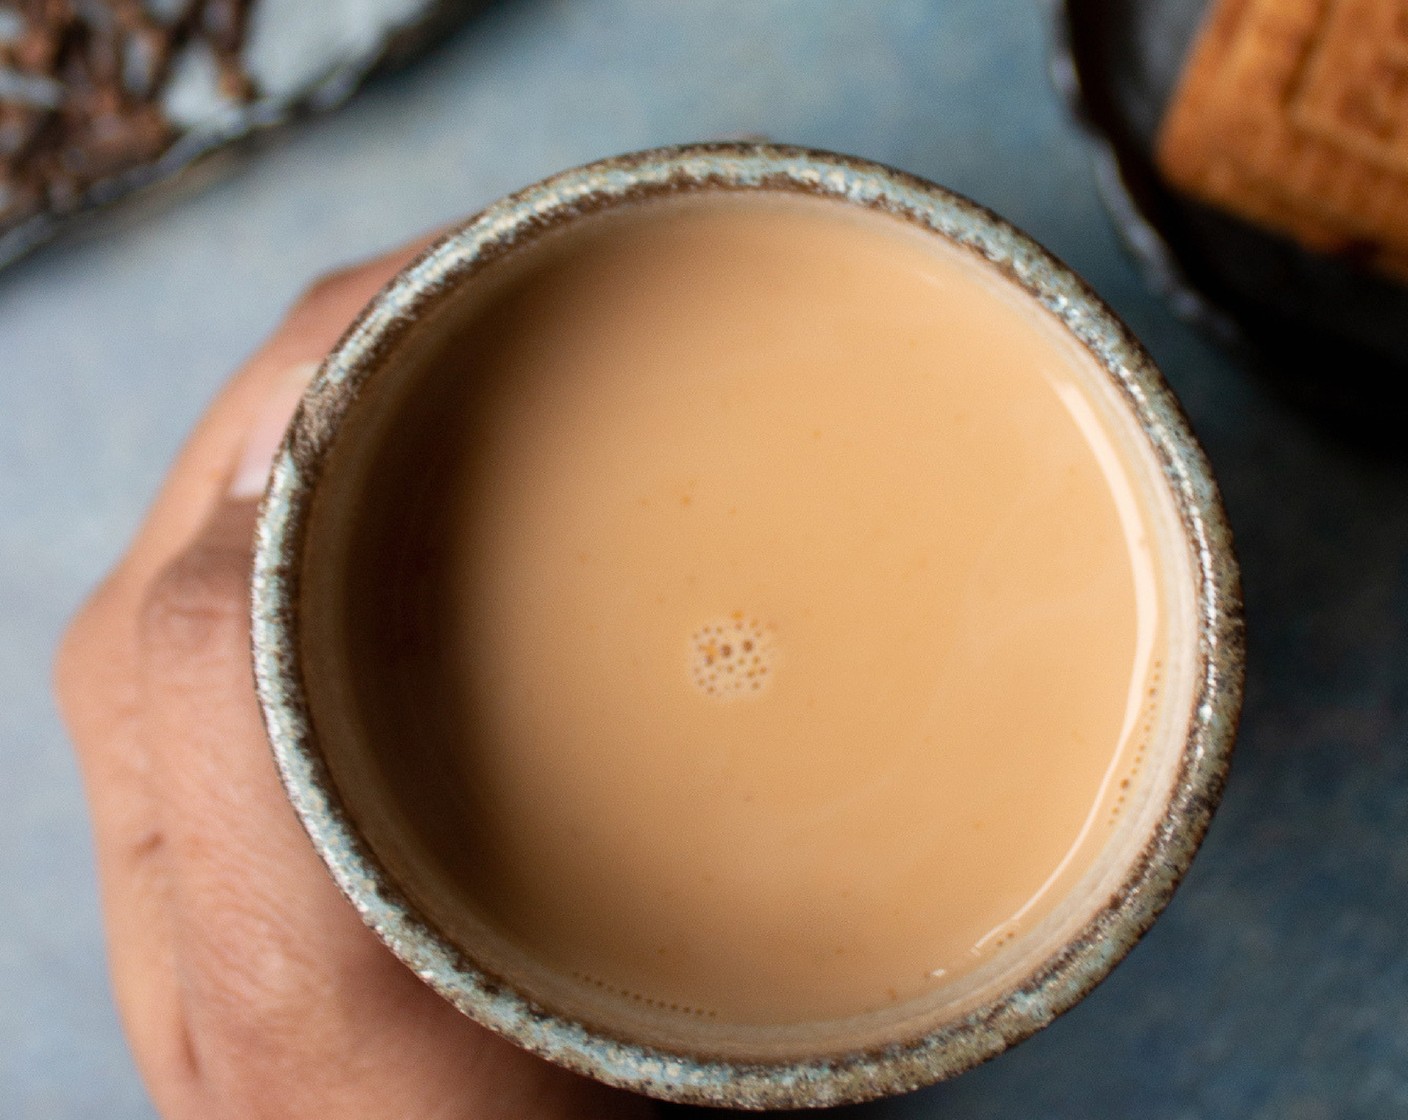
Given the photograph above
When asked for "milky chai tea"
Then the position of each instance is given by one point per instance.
(742, 611)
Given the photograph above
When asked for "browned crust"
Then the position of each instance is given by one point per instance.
(1261, 123)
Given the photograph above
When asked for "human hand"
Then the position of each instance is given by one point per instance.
(247, 985)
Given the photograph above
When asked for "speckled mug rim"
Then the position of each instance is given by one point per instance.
(1046, 991)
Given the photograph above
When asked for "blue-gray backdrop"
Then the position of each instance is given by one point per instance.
(1276, 986)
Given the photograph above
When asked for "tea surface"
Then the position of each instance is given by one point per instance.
(757, 615)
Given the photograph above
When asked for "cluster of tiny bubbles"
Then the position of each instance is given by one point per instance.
(1146, 731)
(731, 658)
(646, 1001)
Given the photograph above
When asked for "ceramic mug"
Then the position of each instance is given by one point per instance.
(1025, 986)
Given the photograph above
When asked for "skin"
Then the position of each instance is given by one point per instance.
(247, 985)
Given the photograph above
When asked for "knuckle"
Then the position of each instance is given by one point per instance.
(326, 291)
(146, 848)
(319, 290)
(197, 604)
(72, 654)
(86, 639)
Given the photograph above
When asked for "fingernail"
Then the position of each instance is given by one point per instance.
(266, 432)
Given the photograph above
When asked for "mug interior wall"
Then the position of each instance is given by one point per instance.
(382, 760)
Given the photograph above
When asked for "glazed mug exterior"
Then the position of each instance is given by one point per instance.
(1032, 1000)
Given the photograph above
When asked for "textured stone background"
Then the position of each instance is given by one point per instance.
(1276, 986)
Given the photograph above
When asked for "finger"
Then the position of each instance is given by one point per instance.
(198, 476)
(132, 865)
(93, 674)
(95, 665)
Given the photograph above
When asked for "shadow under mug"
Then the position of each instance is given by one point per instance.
(1022, 988)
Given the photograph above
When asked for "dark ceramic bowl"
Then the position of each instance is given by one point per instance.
(1330, 334)
(1024, 986)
